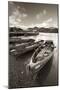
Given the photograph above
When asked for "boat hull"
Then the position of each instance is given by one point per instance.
(38, 66)
(40, 57)
(21, 49)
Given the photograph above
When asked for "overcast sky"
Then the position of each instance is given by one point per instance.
(31, 14)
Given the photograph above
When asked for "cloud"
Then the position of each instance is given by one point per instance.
(41, 14)
(38, 16)
(44, 12)
(15, 19)
(45, 23)
(24, 15)
(49, 20)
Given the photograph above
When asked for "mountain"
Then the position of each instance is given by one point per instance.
(35, 29)
(45, 30)
(49, 30)
(14, 29)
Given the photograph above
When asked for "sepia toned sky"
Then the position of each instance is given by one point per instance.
(31, 14)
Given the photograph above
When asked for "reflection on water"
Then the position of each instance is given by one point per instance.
(48, 36)
(48, 75)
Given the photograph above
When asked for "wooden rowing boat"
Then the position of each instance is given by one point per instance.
(25, 47)
(40, 57)
(19, 40)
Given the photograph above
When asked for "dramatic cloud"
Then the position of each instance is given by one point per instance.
(27, 15)
(18, 13)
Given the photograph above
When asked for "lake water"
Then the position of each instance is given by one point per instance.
(48, 75)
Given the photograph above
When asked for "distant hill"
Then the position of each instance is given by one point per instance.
(14, 29)
(48, 30)
(45, 30)
(35, 29)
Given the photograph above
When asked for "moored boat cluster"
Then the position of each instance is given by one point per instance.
(43, 49)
